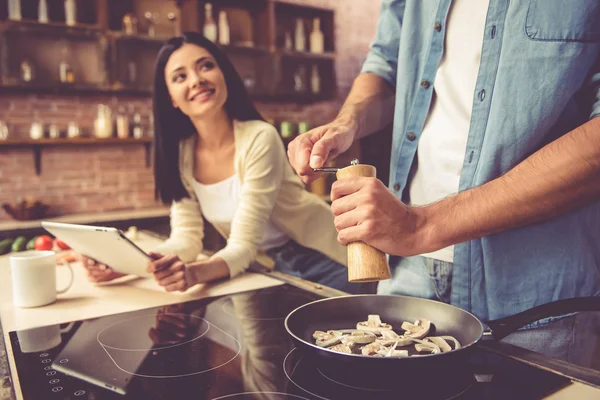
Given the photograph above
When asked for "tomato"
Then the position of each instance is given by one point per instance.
(61, 245)
(43, 242)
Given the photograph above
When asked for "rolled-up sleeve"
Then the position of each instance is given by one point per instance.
(593, 88)
(382, 58)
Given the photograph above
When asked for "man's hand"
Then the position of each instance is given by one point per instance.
(320, 145)
(365, 210)
(98, 272)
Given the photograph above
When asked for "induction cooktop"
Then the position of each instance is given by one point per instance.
(231, 347)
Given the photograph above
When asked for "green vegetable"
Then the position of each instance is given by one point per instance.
(31, 244)
(19, 244)
(5, 245)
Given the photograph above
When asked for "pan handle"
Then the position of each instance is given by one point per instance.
(503, 327)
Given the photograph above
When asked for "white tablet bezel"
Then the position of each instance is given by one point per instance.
(104, 244)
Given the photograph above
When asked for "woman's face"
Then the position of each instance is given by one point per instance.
(195, 81)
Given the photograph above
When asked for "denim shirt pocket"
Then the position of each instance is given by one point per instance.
(563, 21)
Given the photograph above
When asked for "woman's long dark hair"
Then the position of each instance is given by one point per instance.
(171, 125)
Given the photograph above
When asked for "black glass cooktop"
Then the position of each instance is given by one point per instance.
(232, 347)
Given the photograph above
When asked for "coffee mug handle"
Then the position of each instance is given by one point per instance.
(67, 328)
(66, 264)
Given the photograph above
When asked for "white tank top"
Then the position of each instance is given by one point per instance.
(443, 142)
(219, 202)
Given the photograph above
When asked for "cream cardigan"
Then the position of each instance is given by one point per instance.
(270, 190)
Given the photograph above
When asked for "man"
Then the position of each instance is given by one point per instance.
(495, 162)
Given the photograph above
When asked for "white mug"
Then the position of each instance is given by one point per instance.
(41, 339)
(34, 278)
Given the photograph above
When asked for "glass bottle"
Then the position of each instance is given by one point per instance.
(210, 27)
(316, 37)
(103, 125)
(43, 11)
(315, 80)
(3, 130)
(138, 132)
(129, 24)
(66, 74)
(300, 80)
(14, 10)
(27, 72)
(287, 41)
(173, 20)
(70, 12)
(122, 124)
(299, 39)
(224, 38)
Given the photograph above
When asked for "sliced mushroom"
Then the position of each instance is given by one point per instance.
(389, 334)
(453, 340)
(418, 330)
(328, 342)
(371, 349)
(430, 347)
(440, 342)
(320, 334)
(339, 332)
(341, 348)
(360, 338)
(373, 324)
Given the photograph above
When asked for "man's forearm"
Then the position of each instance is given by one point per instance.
(561, 177)
(370, 104)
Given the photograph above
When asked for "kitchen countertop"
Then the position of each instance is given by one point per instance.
(87, 300)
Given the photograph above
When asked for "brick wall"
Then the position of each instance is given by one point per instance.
(87, 178)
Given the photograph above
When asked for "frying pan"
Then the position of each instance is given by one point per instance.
(344, 312)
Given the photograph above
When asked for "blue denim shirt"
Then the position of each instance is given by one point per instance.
(539, 78)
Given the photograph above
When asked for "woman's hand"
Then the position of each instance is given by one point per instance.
(172, 274)
(173, 326)
(98, 272)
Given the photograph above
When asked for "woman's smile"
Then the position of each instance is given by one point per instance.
(202, 96)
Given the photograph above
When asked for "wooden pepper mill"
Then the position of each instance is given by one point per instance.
(365, 263)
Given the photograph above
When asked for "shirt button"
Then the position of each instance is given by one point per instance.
(411, 136)
(438, 27)
(396, 187)
(425, 84)
(482, 95)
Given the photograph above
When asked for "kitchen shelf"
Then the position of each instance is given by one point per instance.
(241, 49)
(71, 89)
(33, 26)
(106, 60)
(143, 38)
(37, 145)
(306, 55)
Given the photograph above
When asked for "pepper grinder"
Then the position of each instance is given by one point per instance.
(365, 263)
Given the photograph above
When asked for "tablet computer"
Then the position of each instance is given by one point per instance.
(104, 244)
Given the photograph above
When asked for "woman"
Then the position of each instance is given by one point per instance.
(216, 157)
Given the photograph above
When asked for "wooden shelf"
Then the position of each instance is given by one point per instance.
(72, 141)
(306, 55)
(252, 50)
(37, 144)
(123, 64)
(33, 27)
(120, 35)
(71, 89)
(29, 25)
